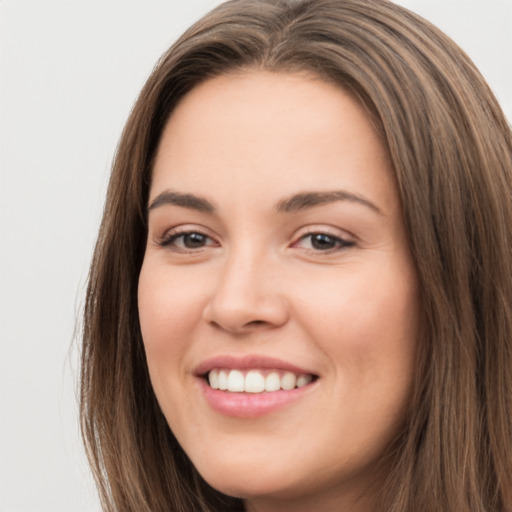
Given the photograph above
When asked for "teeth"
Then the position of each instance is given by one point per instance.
(223, 380)
(272, 382)
(236, 381)
(288, 381)
(254, 381)
(303, 380)
(213, 379)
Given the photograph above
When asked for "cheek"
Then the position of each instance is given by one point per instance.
(361, 301)
(366, 323)
(169, 312)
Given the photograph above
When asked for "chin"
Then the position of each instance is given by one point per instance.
(248, 482)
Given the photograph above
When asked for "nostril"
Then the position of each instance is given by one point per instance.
(245, 313)
(243, 328)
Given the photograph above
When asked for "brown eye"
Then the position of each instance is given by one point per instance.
(187, 241)
(322, 242)
(194, 240)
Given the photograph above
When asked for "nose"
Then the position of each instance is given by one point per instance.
(247, 296)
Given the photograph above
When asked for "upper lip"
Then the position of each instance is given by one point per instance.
(248, 362)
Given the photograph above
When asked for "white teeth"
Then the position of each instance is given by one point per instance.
(272, 382)
(303, 380)
(255, 382)
(223, 380)
(236, 381)
(288, 381)
(213, 379)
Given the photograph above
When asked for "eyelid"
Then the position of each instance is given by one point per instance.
(173, 233)
(343, 238)
(326, 229)
(346, 239)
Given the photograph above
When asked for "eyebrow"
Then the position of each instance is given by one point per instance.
(184, 200)
(305, 200)
(297, 202)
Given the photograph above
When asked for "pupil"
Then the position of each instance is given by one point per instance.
(321, 241)
(194, 240)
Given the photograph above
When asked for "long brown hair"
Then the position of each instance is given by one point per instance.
(451, 149)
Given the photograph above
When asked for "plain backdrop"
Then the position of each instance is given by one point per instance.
(69, 74)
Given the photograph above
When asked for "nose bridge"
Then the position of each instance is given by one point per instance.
(241, 268)
(247, 293)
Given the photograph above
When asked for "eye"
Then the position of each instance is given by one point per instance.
(187, 241)
(324, 242)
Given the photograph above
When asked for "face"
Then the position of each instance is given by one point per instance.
(278, 299)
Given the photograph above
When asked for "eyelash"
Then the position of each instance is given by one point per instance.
(339, 243)
(170, 239)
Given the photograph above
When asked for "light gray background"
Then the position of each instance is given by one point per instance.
(70, 71)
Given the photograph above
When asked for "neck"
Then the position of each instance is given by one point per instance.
(350, 499)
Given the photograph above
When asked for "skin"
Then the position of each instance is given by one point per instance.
(257, 283)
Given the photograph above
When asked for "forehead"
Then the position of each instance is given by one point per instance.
(271, 134)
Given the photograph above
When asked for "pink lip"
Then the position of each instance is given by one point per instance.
(246, 363)
(249, 405)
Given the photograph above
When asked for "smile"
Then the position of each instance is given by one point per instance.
(252, 385)
(256, 380)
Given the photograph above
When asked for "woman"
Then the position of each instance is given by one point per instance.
(301, 294)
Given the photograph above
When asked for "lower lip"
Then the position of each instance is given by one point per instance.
(251, 405)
